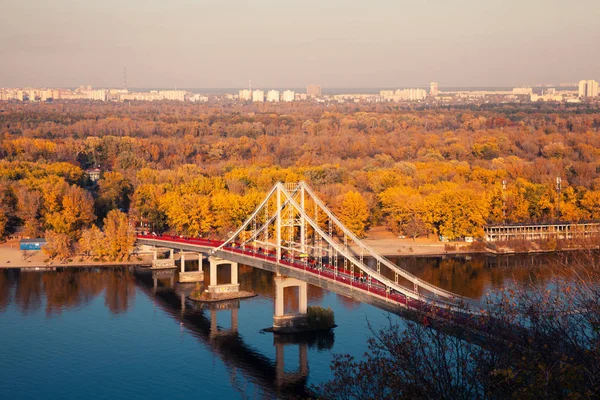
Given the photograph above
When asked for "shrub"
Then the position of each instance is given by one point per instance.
(320, 318)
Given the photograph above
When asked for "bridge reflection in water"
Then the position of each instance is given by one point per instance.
(201, 321)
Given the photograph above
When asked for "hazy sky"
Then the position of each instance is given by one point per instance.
(289, 43)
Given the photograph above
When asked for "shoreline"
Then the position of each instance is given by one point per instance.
(384, 243)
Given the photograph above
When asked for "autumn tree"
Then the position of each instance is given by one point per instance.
(75, 212)
(29, 206)
(113, 193)
(93, 242)
(58, 245)
(457, 213)
(120, 236)
(354, 213)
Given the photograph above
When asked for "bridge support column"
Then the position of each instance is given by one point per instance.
(190, 276)
(232, 287)
(297, 322)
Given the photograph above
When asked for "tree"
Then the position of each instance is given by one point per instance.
(29, 204)
(58, 245)
(414, 228)
(75, 212)
(93, 242)
(528, 343)
(120, 236)
(188, 213)
(354, 213)
(457, 213)
(113, 193)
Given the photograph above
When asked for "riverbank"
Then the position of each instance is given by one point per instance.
(384, 242)
(12, 257)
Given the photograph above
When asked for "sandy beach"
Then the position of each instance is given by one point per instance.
(12, 257)
(379, 239)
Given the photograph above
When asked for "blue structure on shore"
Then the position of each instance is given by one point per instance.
(32, 244)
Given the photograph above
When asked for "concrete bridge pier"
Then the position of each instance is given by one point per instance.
(190, 276)
(164, 263)
(288, 377)
(296, 322)
(232, 287)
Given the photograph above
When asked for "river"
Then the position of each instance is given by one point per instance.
(108, 333)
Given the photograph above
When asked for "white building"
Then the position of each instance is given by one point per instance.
(403, 95)
(523, 90)
(434, 89)
(588, 88)
(273, 96)
(245, 95)
(258, 95)
(200, 98)
(98, 94)
(178, 95)
(289, 95)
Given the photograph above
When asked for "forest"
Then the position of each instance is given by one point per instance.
(201, 169)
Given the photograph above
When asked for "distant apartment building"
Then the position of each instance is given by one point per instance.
(289, 95)
(99, 94)
(313, 90)
(403, 95)
(588, 88)
(245, 95)
(434, 89)
(273, 96)
(522, 91)
(177, 95)
(258, 96)
(198, 98)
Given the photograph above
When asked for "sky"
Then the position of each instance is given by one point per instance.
(291, 43)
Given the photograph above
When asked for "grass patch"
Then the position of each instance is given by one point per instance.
(320, 318)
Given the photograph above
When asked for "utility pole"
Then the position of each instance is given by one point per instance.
(558, 182)
(504, 202)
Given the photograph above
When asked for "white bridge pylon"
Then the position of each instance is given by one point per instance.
(293, 224)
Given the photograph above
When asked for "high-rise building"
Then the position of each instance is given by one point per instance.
(588, 88)
(434, 89)
(592, 89)
(245, 95)
(273, 96)
(289, 95)
(258, 95)
(582, 85)
(313, 90)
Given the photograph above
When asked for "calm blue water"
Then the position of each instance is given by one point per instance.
(106, 334)
(111, 334)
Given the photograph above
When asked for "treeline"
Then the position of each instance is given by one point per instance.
(201, 169)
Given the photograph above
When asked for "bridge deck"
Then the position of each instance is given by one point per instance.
(343, 283)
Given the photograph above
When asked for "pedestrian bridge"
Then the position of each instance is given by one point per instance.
(293, 234)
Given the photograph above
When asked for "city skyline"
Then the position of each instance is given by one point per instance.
(212, 44)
